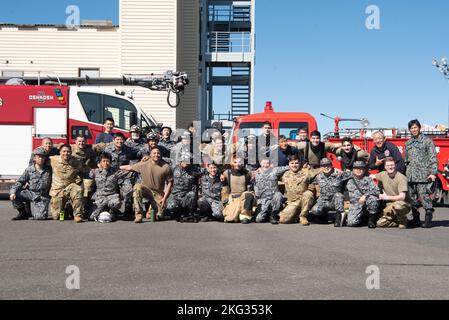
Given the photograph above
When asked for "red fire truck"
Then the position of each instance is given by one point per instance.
(288, 123)
(30, 112)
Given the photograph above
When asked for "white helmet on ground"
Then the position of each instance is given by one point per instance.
(104, 217)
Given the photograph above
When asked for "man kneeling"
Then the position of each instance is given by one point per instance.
(395, 193)
(33, 187)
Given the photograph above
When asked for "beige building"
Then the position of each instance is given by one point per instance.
(152, 36)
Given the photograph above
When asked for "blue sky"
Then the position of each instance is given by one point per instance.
(317, 56)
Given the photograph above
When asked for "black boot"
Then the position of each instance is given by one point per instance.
(428, 219)
(372, 221)
(337, 222)
(22, 215)
(415, 223)
(274, 219)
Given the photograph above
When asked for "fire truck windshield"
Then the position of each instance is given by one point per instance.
(246, 128)
(290, 129)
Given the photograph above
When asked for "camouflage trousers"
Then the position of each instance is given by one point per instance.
(239, 207)
(297, 208)
(141, 192)
(324, 205)
(356, 210)
(395, 213)
(267, 205)
(420, 195)
(105, 203)
(72, 193)
(208, 206)
(182, 203)
(126, 191)
(38, 204)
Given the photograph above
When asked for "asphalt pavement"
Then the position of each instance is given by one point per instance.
(170, 260)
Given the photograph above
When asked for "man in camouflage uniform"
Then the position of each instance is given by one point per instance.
(136, 141)
(107, 196)
(122, 155)
(33, 187)
(182, 147)
(49, 150)
(153, 141)
(269, 198)
(331, 192)
(363, 196)
(211, 186)
(299, 198)
(64, 187)
(422, 169)
(87, 155)
(267, 144)
(182, 202)
(165, 140)
(248, 151)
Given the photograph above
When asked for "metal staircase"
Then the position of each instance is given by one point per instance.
(220, 42)
(241, 13)
(240, 91)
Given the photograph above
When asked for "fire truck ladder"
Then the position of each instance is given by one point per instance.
(172, 82)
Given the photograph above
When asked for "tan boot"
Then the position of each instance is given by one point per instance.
(303, 221)
(138, 218)
(78, 219)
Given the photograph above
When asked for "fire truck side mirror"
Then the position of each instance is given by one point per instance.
(133, 118)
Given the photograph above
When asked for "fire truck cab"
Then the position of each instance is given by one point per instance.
(29, 113)
(283, 123)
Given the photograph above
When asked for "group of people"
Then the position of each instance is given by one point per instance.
(259, 179)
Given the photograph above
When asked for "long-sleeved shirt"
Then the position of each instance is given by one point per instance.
(387, 150)
(421, 159)
(35, 180)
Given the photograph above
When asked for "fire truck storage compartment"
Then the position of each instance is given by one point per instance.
(15, 151)
(50, 122)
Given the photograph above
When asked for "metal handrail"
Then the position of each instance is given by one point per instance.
(238, 42)
(228, 14)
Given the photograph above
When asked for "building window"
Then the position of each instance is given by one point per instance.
(90, 72)
(12, 74)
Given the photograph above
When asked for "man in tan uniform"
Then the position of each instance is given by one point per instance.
(395, 192)
(299, 198)
(87, 154)
(64, 187)
(240, 198)
(315, 150)
(156, 186)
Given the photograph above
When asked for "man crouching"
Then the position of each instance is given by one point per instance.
(363, 196)
(33, 187)
(395, 192)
